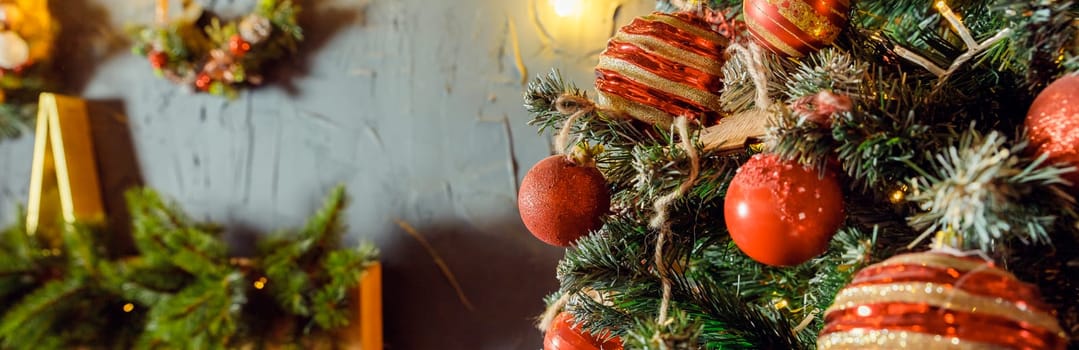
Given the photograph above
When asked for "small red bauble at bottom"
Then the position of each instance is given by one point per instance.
(561, 201)
(563, 335)
(780, 213)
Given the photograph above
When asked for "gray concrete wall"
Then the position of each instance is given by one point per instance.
(415, 105)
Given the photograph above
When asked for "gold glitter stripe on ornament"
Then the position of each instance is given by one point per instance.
(664, 49)
(682, 25)
(944, 261)
(859, 339)
(803, 16)
(643, 112)
(632, 72)
(941, 296)
(768, 37)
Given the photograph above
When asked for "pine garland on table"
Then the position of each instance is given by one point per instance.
(181, 290)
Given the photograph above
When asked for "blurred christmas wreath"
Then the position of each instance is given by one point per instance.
(27, 32)
(199, 51)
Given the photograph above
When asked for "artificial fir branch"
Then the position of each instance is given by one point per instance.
(988, 192)
(1042, 41)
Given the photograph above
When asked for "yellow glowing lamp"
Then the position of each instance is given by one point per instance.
(63, 179)
(566, 8)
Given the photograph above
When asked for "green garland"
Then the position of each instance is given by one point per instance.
(201, 52)
(181, 289)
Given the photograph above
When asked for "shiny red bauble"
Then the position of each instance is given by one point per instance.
(563, 335)
(795, 27)
(1053, 124)
(780, 213)
(561, 201)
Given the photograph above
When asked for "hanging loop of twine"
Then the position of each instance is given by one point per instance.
(552, 311)
(575, 107)
(659, 220)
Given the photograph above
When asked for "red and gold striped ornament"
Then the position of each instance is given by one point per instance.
(936, 300)
(795, 27)
(661, 66)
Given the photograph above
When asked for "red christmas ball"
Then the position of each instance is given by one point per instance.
(661, 66)
(795, 27)
(939, 301)
(563, 335)
(158, 59)
(237, 46)
(1053, 124)
(780, 213)
(561, 201)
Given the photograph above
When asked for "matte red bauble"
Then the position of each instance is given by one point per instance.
(561, 201)
(780, 213)
(939, 301)
(563, 335)
(1053, 124)
(661, 66)
(795, 27)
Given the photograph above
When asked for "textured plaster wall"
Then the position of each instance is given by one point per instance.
(415, 105)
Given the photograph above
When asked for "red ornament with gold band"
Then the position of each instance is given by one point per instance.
(795, 28)
(936, 300)
(663, 65)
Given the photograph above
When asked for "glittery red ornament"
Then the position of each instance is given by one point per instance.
(939, 301)
(237, 46)
(780, 213)
(203, 81)
(795, 27)
(563, 335)
(158, 59)
(661, 66)
(561, 201)
(1053, 124)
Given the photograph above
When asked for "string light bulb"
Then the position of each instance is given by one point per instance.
(260, 283)
(566, 8)
(129, 307)
(899, 194)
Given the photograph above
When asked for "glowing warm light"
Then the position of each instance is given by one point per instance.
(566, 8)
(129, 307)
(260, 283)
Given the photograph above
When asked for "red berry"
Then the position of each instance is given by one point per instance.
(237, 46)
(203, 81)
(563, 335)
(158, 59)
(780, 213)
(561, 201)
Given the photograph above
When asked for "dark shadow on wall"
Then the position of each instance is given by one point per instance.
(320, 23)
(504, 271)
(117, 167)
(86, 39)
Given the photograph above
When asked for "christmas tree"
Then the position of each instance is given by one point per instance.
(817, 174)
